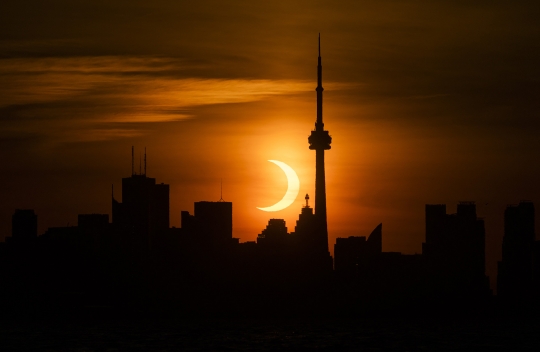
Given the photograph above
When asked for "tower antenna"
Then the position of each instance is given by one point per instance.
(132, 161)
(221, 192)
(140, 164)
(144, 161)
(319, 44)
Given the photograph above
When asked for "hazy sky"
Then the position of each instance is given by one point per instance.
(427, 102)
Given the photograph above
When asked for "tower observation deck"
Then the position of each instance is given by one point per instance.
(320, 140)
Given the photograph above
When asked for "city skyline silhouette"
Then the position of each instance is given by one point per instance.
(344, 221)
(138, 260)
(415, 230)
(433, 103)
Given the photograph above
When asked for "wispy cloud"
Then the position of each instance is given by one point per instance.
(87, 91)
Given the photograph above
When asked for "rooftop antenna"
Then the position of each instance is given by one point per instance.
(221, 192)
(140, 164)
(132, 161)
(319, 44)
(112, 191)
(144, 161)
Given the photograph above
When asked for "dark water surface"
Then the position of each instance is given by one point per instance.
(363, 334)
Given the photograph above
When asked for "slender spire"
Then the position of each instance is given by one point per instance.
(319, 44)
(132, 161)
(319, 125)
(221, 192)
(144, 161)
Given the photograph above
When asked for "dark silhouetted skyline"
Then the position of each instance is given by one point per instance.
(138, 261)
(433, 103)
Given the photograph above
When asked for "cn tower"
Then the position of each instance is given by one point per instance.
(320, 140)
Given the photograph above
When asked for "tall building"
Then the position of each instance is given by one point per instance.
(305, 225)
(143, 213)
(320, 140)
(515, 270)
(274, 235)
(213, 222)
(454, 251)
(356, 253)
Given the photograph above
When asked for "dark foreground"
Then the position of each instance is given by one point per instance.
(248, 334)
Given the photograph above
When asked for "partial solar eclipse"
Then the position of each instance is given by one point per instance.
(292, 188)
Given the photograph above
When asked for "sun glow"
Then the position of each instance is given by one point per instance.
(292, 188)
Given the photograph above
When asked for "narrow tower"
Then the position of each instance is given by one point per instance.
(320, 140)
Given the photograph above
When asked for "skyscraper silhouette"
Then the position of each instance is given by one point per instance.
(320, 140)
(454, 253)
(143, 214)
(305, 225)
(213, 223)
(358, 253)
(515, 275)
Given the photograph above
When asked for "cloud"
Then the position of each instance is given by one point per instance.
(73, 96)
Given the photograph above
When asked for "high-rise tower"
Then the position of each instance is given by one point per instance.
(320, 140)
(143, 215)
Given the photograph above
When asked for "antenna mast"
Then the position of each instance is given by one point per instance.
(144, 161)
(221, 192)
(132, 161)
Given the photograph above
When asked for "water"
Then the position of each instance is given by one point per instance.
(373, 334)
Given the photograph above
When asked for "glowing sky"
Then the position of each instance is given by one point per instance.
(426, 102)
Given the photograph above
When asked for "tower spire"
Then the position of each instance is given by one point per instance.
(221, 191)
(144, 161)
(319, 125)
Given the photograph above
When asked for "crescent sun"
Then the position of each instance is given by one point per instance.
(292, 188)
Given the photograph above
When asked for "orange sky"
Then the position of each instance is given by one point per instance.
(426, 103)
